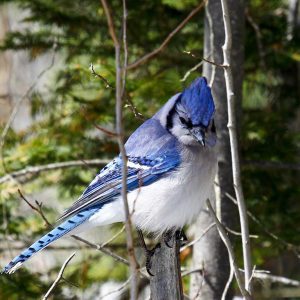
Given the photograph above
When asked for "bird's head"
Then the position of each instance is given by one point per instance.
(189, 115)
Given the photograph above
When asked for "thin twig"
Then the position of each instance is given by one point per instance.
(187, 74)
(196, 240)
(107, 84)
(289, 246)
(59, 276)
(118, 290)
(38, 209)
(228, 283)
(253, 236)
(113, 237)
(215, 64)
(234, 146)
(34, 170)
(105, 250)
(189, 272)
(152, 54)
(225, 238)
(276, 279)
(120, 92)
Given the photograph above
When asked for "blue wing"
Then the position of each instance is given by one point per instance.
(152, 151)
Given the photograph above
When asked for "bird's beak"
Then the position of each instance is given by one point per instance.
(199, 135)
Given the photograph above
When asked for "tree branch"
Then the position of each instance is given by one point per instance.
(234, 146)
(152, 54)
(224, 236)
(59, 276)
(120, 92)
(34, 170)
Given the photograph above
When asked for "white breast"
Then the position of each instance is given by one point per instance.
(172, 201)
(175, 200)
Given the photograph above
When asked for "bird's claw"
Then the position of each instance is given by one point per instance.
(149, 254)
(167, 238)
(181, 236)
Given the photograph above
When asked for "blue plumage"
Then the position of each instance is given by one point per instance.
(198, 102)
(164, 155)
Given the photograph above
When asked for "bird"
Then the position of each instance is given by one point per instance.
(171, 164)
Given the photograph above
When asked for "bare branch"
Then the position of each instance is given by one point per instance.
(59, 276)
(38, 209)
(289, 246)
(133, 108)
(228, 283)
(107, 84)
(102, 249)
(152, 54)
(276, 279)
(236, 172)
(196, 240)
(118, 290)
(110, 23)
(187, 74)
(225, 239)
(120, 92)
(34, 170)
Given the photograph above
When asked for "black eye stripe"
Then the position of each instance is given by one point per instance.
(188, 122)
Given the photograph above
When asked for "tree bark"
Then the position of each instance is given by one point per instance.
(166, 282)
(210, 253)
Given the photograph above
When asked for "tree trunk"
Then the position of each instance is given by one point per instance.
(166, 282)
(210, 253)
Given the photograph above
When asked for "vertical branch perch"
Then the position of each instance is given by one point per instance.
(120, 91)
(234, 146)
(166, 282)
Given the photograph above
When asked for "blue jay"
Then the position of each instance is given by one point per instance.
(171, 167)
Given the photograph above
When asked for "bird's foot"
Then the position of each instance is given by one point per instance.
(167, 237)
(179, 235)
(149, 255)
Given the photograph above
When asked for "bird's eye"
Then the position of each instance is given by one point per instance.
(183, 120)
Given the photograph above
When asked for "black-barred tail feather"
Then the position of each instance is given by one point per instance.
(50, 237)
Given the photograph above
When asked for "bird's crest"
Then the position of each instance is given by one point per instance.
(197, 102)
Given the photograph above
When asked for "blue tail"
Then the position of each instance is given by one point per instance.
(50, 237)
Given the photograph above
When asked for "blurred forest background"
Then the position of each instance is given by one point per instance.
(62, 112)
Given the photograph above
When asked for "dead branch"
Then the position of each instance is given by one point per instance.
(38, 209)
(224, 236)
(236, 172)
(107, 84)
(59, 276)
(289, 246)
(152, 54)
(34, 170)
(120, 92)
(196, 240)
